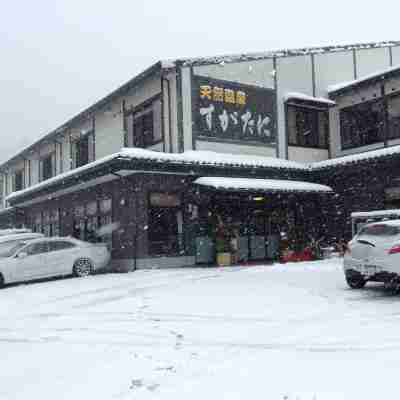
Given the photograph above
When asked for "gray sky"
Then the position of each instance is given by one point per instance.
(60, 56)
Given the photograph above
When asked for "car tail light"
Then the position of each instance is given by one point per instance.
(395, 249)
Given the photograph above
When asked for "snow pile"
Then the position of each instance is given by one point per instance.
(261, 184)
(302, 96)
(387, 151)
(292, 331)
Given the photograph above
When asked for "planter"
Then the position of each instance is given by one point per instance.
(223, 259)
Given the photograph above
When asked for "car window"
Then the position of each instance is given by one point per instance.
(60, 245)
(7, 249)
(37, 248)
(380, 230)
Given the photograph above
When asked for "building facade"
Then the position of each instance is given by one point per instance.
(319, 116)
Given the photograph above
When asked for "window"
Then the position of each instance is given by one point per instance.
(7, 249)
(37, 248)
(394, 117)
(165, 224)
(47, 167)
(380, 230)
(143, 125)
(307, 126)
(58, 245)
(83, 150)
(18, 181)
(37, 223)
(392, 198)
(362, 124)
(90, 218)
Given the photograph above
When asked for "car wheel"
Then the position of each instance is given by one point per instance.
(356, 281)
(82, 267)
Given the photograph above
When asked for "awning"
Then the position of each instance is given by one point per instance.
(296, 98)
(261, 185)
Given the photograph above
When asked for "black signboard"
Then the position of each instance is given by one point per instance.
(230, 111)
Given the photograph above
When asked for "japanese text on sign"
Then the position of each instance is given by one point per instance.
(228, 110)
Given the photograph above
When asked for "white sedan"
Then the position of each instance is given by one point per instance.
(49, 257)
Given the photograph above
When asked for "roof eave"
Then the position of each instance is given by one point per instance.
(153, 69)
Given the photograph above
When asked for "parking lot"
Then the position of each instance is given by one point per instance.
(262, 332)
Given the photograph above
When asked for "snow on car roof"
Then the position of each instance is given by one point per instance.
(20, 236)
(376, 213)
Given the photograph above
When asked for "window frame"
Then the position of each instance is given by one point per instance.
(312, 108)
(381, 135)
(19, 173)
(49, 156)
(136, 114)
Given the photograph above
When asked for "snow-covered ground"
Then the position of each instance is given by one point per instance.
(290, 331)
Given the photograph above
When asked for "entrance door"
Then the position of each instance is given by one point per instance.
(252, 236)
(257, 245)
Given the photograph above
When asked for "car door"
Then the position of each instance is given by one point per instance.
(62, 255)
(30, 262)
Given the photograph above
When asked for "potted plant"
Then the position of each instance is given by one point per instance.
(223, 251)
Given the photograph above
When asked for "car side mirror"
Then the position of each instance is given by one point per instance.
(23, 254)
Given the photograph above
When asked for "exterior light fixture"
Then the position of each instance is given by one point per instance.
(259, 198)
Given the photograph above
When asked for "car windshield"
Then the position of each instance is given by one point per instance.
(380, 230)
(9, 248)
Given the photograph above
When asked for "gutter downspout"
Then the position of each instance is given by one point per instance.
(169, 113)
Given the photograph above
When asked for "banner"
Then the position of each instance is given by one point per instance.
(225, 110)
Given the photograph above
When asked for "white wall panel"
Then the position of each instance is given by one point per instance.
(232, 148)
(302, 154)
(144, 91)
(332, 68)
(372, 60)
(109, 130)
(257, 73)
(294, 74)
(396, 55)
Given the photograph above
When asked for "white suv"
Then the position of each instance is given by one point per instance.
(374, 255)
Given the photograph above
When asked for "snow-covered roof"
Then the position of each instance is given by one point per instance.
(305, 97)
(342, 85)
(261, 184)
(377, 213)
(222, 59)
(213, 158)
(387, 151)
(206, 158)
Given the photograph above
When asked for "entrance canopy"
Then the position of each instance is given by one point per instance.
(261, 185)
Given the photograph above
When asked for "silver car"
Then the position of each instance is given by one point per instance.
(374, 255)
(49, 257)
